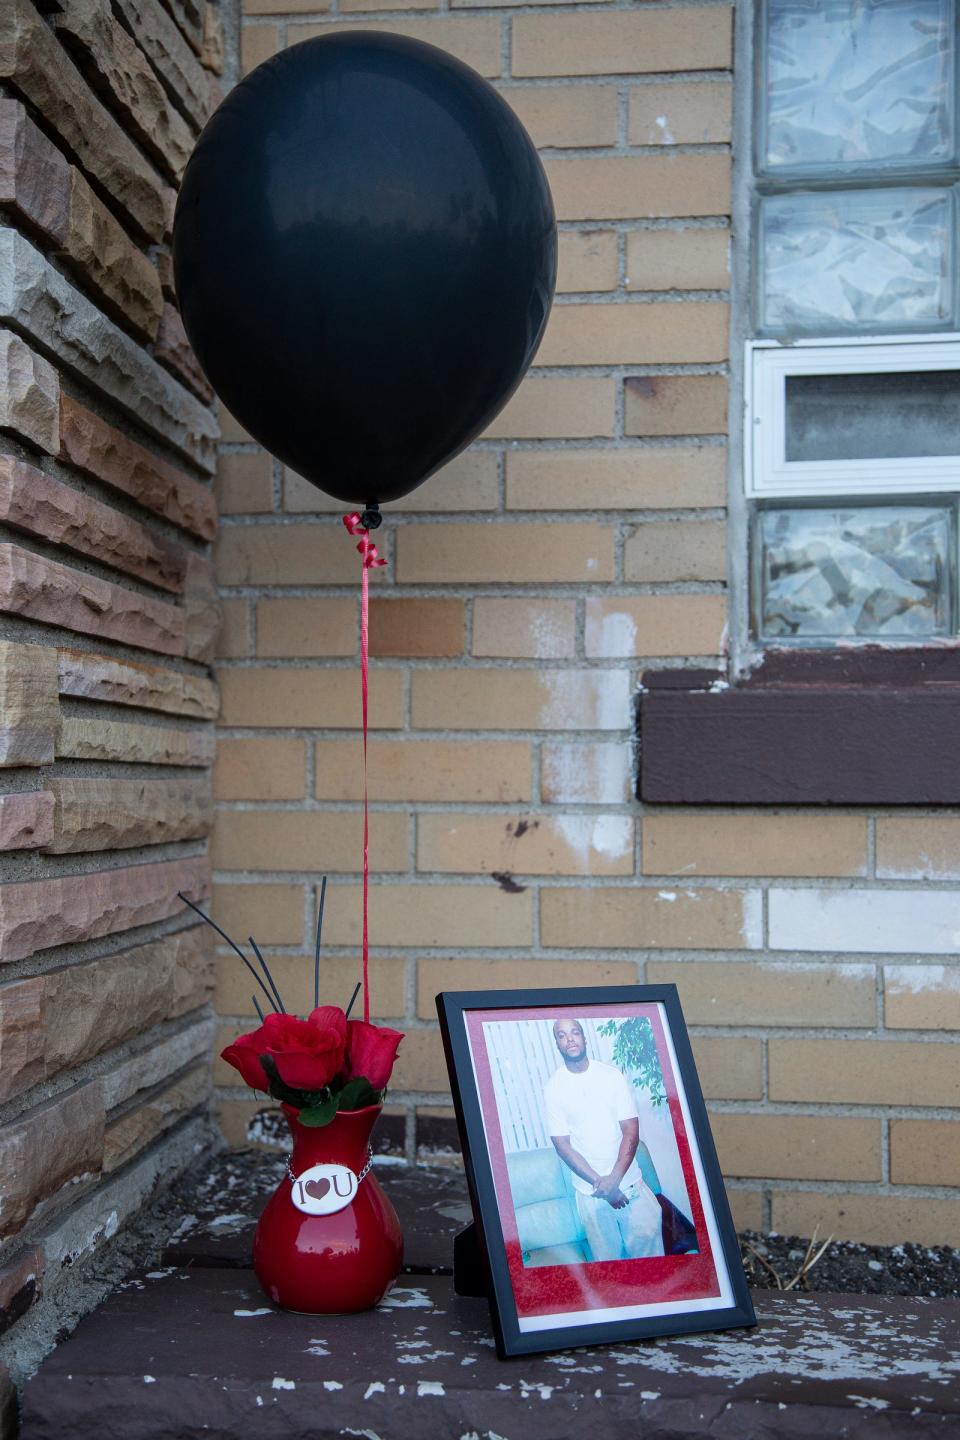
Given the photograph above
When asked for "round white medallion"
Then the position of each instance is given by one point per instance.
(324, 1189)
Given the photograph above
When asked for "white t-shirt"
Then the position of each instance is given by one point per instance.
(589, 1107)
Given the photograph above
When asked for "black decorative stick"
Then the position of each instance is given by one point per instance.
(316, 958)
(256, 1006)
(232, 943)
(353, 998)
(270, 980)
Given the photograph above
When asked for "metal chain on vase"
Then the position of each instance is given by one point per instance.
(361, 1175)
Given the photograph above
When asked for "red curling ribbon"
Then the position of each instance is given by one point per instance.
(370, 558)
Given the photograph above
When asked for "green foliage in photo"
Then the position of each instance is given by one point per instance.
(635, 1053)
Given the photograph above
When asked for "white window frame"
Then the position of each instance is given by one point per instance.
(769, 363)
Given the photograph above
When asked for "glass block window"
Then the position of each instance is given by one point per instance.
(857, 158)
(857, 260)
(870, 572)
(864, 86)
(855, 269)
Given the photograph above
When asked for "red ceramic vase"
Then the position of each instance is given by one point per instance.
(329, 1264)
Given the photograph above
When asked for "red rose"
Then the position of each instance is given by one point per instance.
(371, 1052)
(307, 1055)
(330, 1017)
(244, 1055)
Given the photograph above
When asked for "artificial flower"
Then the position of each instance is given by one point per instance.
(329, 1017)
(307, 1055)
(371, 1052)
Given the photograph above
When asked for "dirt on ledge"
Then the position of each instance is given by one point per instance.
(845, 1266)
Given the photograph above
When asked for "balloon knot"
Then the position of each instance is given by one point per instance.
(368, 551)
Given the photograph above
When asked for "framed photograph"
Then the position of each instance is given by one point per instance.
(599, 1209)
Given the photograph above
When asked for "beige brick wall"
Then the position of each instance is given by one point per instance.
(579, 542)
(108, 616)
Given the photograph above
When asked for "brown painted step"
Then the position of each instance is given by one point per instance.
(191, 1352)
(218, 1211)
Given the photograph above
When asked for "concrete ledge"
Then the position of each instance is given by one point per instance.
(184, 1352)
(852, 725)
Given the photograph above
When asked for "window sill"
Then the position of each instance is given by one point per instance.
(865, 726)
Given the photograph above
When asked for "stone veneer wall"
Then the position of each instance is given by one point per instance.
(108, 613)
(580, 542)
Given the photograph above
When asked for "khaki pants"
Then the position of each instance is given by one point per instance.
(626, 1234)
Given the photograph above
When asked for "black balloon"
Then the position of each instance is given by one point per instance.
(365, 256)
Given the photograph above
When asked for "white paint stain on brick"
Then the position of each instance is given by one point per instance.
(615, 710)
(752, 927)
(921, 979)
(550, 635)
(926, 866)
(611, 635)
(608, 835)
(888, 922)
(278, 1383)
(612, 836)
(596, 774)
(585, 700)
(813, 967)
(430, 1387)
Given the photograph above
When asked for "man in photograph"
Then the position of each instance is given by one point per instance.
(593, 1123)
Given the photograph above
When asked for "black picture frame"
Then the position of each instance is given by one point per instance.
(481, 1261)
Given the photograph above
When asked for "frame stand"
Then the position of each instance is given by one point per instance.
(471, 1274)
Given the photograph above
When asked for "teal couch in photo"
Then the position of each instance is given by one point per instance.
(543, 1199)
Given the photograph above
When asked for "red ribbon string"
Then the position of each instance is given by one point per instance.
(370, 558)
